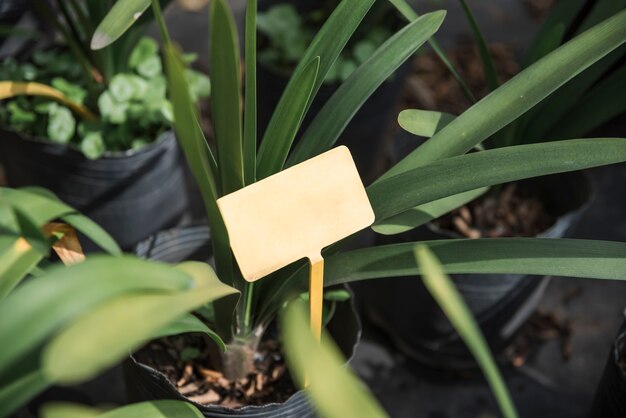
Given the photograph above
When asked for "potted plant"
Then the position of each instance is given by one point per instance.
(546, 207)
(436, 170)
(94, 127)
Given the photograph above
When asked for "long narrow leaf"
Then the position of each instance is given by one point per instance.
(535, 256)
(250, 113)
(42, 206)
(225, 96)
(424, 123)
(17, 258)
(327, 45)
(37, 308)
(197, 154)
(121, 17)
(600, 105)
(409, 14)
(68, 410)
(422, 214)
(96, 341)
(545, 116)
(20, 391)
(288, 122)
(332, 119)
(548, 43)
(519, 94)
(152, 409)
(485, 56)
(334, 390)
(562, 15)
(186, 324)
(452, 304)
(486, 168)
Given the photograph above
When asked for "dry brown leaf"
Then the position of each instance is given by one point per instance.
(68, 247)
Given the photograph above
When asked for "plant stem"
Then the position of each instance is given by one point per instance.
(247, 302)
(158, 14)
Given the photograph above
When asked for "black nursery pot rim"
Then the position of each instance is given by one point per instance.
(619, 352)
(161, 245)
(74, 151)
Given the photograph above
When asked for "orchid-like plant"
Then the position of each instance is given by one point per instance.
(427, 182)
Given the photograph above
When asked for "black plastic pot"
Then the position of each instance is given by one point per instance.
(405, 311)
(610, 399)
(130, 194)
(364, 134)
(145, 383)
(12, 10)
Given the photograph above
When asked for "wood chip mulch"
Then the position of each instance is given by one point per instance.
(516, 211)
(200, 381)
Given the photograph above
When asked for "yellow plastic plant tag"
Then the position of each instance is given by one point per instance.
(295, 214)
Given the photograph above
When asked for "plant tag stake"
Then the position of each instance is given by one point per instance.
(293, 215)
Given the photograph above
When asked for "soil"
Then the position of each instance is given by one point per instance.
(199, 380)
(539, 9)
(432, 87)
(516, 211)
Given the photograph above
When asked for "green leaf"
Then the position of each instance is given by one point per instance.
(199, 85)
(61, 124)
(452, 304)
(534, 256)
(327, 45)
(39, 307)
(92, 145)
(17, 258)
(156, 409)
(334, 389)
(426, 212)
(424, 123)
(454, 175)
(150, 67)
(73, 91)
(485, 56)
(111, 110)
(273, 151)
(563, 14)
(350, 96)
(68, 410)
(250, 113)
(604, 102)
(200, 160)
(122, 87)
(189, 323)
(152, 409)
(121, 17)
(546, 44)
(519, 94)
(42, 206)
(409, 14)
(225, 99)
(20, 391)
(145, 48)
(96, 341)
